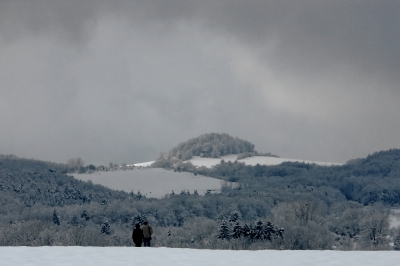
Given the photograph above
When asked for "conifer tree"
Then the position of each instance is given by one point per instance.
(247, 230)
(237, 230)
(105, 228)
(234, 217)
(56, 217)
(138, 219)
(221, 218)
(223, 232)
(139, 196)
(258, 231)
(270, 230)
(85, 215)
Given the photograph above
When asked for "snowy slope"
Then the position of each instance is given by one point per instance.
(152, 182)
(146, 164)
(96, 256)
(262, 160)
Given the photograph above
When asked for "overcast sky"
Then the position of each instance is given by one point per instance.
(122, 81)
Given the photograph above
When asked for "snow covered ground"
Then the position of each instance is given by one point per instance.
(153, 182)
(60, 256)
(146, 164)
(262, 160)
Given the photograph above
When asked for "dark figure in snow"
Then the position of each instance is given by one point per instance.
(137, 236)
(147, 232)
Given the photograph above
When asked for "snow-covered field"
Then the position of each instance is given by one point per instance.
(153, 182)
(262, 160)
(57, 256)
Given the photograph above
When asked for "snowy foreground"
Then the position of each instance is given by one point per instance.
(51, 256)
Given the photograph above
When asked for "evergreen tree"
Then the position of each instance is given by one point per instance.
(139, 196)
(237, 230)
(258, 232)
(56, 217)
(270, 230)
(234, 217)
(224, 232)
(221, 218)
(105, 228)
(247, 230)
(138, 219)
(396, 242)
(85, 215)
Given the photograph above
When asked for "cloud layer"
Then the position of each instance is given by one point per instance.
(121, 81)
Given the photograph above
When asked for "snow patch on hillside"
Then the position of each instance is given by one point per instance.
(146, 164)
(97, 256)
(262, 160)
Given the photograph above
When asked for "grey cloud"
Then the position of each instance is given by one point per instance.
(124, 80)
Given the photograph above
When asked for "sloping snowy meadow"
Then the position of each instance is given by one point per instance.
(153, 182)
(254, 160)
(54, 256)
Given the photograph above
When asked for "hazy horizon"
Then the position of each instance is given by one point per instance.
(122, 81)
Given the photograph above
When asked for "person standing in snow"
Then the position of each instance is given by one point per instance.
(137, 236)
(147, 232)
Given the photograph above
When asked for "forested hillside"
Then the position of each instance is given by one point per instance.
(289, 206)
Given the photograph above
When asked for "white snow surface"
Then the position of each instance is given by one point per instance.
(262, 160)
(146, 164)
(153, 182)
(88, 256)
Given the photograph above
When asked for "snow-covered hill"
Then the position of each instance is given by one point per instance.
(153, 182)
(97, 256)
(156, 183)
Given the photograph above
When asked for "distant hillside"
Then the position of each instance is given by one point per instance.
(29, 182)
(319, 207)
(212, 145)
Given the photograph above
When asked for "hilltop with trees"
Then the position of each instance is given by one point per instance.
(211, 145)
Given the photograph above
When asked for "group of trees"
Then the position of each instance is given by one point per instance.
(259, 231)
(76, 165)
(212, 145)
(341, 207)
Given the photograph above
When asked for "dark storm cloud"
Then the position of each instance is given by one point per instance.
(124, 80)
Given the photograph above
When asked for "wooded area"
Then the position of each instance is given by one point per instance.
(317, 207)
